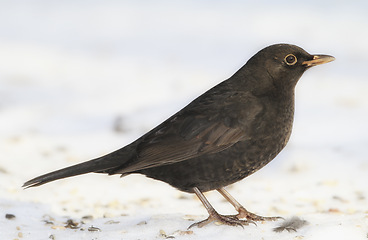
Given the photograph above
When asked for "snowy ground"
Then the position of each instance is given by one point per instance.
(79, 79)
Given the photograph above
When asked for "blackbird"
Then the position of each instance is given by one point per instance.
(221, 137)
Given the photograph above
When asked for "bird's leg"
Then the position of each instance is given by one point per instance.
(213, 215)
(242, 212)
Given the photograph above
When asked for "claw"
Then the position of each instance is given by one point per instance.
(243, 213)
(231, 220)
(222, 219)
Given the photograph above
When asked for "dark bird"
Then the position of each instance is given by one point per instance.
(223, 136)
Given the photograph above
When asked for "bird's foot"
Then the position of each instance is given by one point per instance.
(243, 213)
(221, 219)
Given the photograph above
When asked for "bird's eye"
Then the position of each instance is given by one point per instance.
(290, 59)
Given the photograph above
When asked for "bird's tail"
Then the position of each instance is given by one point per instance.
(105, 164)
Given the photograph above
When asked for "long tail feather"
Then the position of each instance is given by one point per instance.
(82, 168)
(105, 164)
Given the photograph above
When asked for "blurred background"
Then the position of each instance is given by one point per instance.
(79, 79)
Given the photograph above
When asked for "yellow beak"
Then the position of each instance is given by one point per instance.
(318, 59)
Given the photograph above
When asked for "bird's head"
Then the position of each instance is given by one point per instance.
(284, 64)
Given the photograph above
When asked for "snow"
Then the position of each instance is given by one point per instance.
(79, 79)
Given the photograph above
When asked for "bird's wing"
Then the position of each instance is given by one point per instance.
(196, 130)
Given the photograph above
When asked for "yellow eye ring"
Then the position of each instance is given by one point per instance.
(290, 59)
